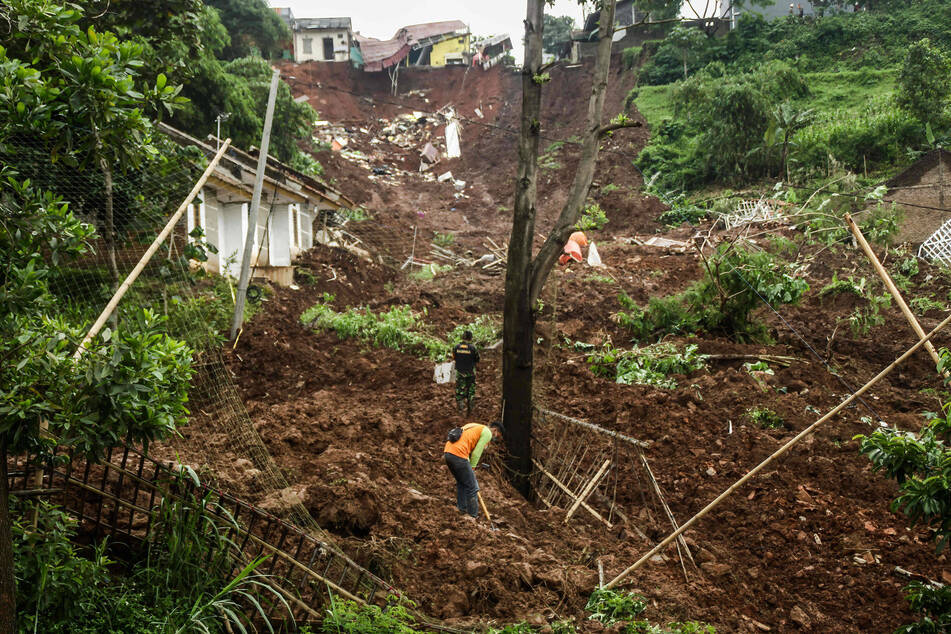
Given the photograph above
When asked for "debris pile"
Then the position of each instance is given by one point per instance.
(434, 136)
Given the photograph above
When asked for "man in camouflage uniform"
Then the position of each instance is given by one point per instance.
(466, 357)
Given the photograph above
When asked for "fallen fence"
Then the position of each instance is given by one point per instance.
(121, 496)
(578, 466)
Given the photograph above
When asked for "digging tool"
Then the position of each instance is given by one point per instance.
(486, 511)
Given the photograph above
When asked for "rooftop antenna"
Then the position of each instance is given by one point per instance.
(222, 116)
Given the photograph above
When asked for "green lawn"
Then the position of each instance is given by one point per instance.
(845, 92)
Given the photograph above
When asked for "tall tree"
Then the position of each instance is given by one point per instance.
(525, 275)
(251, 23)
(556, 32)
(70, 92)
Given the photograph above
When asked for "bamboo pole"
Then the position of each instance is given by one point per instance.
(597, 428)
(806, 432)
(890, 285)
(561, 486)
(588, 489)
(144, 260)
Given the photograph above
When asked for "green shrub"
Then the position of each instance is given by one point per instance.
(849, 285)
(736, 282)
(924, 84)
(681, 211)
(485, 331)
(610, 606)
(592, 217)
(765, 417)
(444, 239)
(351, 617)
(395, 328)
(648, 365)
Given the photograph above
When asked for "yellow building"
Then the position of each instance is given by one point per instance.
(452, 50)
(435, 43)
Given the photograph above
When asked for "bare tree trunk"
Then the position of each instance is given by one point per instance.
(108, 213)
(519, 320)
(524, 276)
(7, 580)
(590, 145)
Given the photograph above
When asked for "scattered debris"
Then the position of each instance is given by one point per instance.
(753, 211)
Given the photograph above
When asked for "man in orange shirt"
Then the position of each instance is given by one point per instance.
(462, 453)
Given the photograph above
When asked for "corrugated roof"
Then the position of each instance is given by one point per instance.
(322, 23)
(492, 41)
(431, 29)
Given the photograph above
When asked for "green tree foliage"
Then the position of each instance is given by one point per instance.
(75, 93)
(251, 23)
(719, 127)
(924, 84)
(557, 32)
(208, 49)
(688, 40)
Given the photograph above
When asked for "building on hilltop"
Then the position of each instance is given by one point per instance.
(431, 44)
(290, 204)
(322, 39)
(490, 52)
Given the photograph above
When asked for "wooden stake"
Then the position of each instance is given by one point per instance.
(890, 285)
(584, 505)
(806, 432)
(588, 489)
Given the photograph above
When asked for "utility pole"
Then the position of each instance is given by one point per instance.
(253, 210)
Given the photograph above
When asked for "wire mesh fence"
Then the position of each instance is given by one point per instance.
(128, 209)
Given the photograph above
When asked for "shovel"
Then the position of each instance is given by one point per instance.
(486, 511)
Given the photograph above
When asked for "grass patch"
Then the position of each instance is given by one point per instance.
(429, 272)
(655, 103)
(398, 328)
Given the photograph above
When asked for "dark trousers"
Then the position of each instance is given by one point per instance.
(467, 488)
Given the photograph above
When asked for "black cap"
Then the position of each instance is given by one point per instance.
(498, 425)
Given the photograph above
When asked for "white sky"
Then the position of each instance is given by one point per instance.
(382, 18)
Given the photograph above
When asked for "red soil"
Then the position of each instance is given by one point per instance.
(360, 430)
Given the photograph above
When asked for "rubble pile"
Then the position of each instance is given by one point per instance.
(434, 137)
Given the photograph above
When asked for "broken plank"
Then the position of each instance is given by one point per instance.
(566, 490)
(588, 489)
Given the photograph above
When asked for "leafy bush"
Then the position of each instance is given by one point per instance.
(849, 285)
(648, 365)
(444, 239)
(924, 85)
(485, 331)
(922, 305)
(397, 328)
(681, 211)
(610, 606)
(351, 617)
(51, 575)
(921, 465)
(592, 217)
(736, 281)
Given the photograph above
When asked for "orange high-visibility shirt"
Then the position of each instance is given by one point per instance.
(467, 446)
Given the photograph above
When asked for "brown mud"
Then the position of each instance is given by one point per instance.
(809, 544)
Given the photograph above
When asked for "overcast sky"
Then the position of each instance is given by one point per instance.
(382, 18)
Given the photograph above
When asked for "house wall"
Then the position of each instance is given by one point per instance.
(232, 229)
(204, 212)
(931, 189)
(453, 45)
(315, 50)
